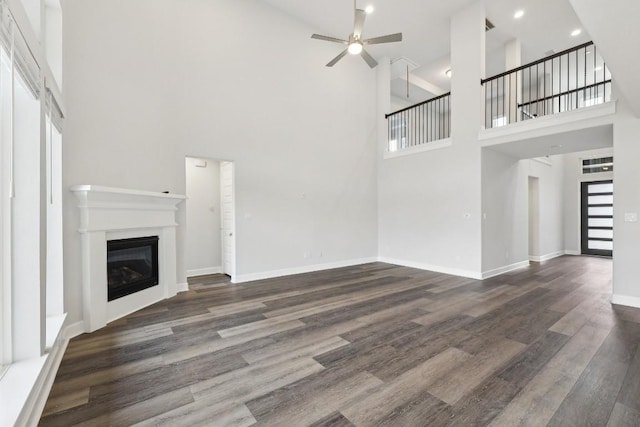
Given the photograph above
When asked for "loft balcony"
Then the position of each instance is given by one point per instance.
(561, 101)
(419, 126)
(570, 80)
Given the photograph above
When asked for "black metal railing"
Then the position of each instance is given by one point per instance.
(420, 123)
(568, 80)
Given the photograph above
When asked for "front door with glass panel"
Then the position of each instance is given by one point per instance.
(597, 218)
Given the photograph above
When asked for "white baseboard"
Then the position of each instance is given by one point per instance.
(430, 267)
(74, 329)
(571, 252)
(182, 287)
(547, 257)
(625, 300)
(501, 270)
(204, 271)
(241, 278)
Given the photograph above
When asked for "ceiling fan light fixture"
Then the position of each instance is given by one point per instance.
(355, 48)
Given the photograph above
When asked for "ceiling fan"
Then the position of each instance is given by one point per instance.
(355, 44)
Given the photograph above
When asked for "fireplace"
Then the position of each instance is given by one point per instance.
(110, 215)
(132, 266)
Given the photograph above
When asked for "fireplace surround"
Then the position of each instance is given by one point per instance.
(113, 215)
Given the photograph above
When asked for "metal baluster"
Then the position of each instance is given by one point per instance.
(544, 89)
(559, 82)
(576, 88)
(604, 81)
(584, 90)
(491, 117)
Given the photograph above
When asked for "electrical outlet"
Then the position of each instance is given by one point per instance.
(630, 217)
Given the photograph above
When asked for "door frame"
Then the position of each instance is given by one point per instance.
(584, 220)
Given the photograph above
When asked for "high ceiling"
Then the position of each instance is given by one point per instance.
(546, 25)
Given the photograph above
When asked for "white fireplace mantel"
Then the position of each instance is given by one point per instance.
(114, 213)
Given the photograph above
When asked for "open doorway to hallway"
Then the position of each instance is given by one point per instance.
(210, 230)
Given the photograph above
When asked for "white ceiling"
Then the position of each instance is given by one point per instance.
(546, 25)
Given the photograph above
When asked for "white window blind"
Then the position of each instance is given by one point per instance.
(13, 42)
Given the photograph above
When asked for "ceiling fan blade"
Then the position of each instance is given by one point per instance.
(337, 58)
(391, 38)
(328, 39)
(359, 23)
(368, 58)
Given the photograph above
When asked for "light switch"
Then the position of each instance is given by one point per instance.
(630, 217)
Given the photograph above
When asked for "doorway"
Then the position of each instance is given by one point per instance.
(210, 213)
(597, 218)
(534, 218)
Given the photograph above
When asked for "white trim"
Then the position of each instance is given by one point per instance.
(241, 278)
(204, 271)
(30, 415)
(73, 330)
(566, 121)
(507, 268)
(572, 252)
(547, 257)
(625, 300)
(25, 387)
(434, 145)
(125, 191)
(182, 287)
(430, 267)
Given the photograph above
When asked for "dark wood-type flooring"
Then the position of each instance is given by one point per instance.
(369, 345)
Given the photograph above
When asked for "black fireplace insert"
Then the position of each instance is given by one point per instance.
(132, 266)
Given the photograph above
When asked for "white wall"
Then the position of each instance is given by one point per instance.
(626, 199)
(157, 80)
(53, 40)
(429, 203)
(505, 210)
(203, 245)
(572, 179)
(551, 199)
(505, 206)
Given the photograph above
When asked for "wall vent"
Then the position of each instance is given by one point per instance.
(488, 25)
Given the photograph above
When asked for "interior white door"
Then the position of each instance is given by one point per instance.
(228, 219)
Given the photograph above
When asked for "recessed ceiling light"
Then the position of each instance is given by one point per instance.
(519, 14)
(448, 72)
(369, 9)
(576, 32)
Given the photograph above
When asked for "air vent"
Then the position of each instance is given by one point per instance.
(488, 25)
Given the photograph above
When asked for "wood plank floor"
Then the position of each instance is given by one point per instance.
(369, 345)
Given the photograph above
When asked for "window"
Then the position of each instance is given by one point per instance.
(5, 249)
(603, 164)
